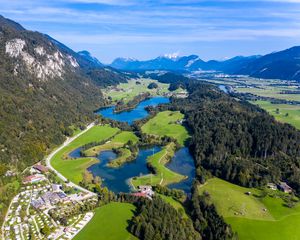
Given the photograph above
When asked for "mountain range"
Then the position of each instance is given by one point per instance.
(278, 65)
(45, 87)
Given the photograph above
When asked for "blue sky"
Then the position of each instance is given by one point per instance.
(144, 29)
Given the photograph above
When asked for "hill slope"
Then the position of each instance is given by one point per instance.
(44, 87)
(282, 65)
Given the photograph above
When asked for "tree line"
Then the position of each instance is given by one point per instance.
(237, 141)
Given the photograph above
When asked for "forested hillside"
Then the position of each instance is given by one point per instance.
(45, 87)
(239, 142)
(149, 222)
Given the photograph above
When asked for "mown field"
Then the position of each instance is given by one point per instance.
(167, 124)
(286, 114)
(109, 223)
(72, 169)
(164, 175)
(117, 141)
(254, 218)
(127, 91)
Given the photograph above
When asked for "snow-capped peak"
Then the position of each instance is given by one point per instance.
(172, 56)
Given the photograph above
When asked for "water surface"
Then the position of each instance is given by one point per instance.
(183, 163)
(135, 114)
(116, 179)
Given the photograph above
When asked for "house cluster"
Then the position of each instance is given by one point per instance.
(144, 191)
(37, 174)
(282, 186)
(50, 198)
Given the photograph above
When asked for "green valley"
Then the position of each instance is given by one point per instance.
(260, 215)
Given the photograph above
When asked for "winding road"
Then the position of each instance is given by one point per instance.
(67, 142)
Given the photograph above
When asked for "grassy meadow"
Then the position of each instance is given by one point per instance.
(72, 169)
(109, 223)
(127, 91)
(163, 176)
(165, 124)
(251, 216)
(286, 114)
(119, 140)
(271, 91)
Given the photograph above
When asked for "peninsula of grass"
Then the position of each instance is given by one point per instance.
(253, 216)
(163, 175)
(167, 123)
(118, 142)
(110, 222)
(285, 113)
(73, 169)
(124, 155)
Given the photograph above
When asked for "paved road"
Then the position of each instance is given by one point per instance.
(67, 142)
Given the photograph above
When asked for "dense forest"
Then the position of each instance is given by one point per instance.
(238, 141)
(157, 220)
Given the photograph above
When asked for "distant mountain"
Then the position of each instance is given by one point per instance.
(159, 63)
(281, 65)
(87, 55)
(126, 64)
(44, 88)
(278, 65)
(185, 63)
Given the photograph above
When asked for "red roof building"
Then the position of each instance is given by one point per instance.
(139, 194)
(40, 168)
(33, 179)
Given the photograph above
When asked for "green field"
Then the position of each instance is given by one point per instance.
(119, 140)
(72, 169)
(174, 203)
(246, 213)
(271, 91)
(163, 176)
(127, 91)
(166, 124)
(109, 223)
(293, 112)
